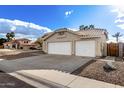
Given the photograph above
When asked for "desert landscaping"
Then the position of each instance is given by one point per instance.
(96, 71)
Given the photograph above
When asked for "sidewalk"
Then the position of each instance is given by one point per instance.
(52, 78)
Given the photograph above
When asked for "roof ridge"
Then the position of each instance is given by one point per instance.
(93, 29)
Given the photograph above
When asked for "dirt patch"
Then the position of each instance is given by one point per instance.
(8, 81)
(96, 71)
(20, 55)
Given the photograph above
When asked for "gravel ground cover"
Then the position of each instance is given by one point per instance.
(96, 71)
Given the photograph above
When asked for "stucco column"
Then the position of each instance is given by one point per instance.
(10, 46)
(44, 46)
(73, 47)
(105, 49)
(120, 49)
(16, 46)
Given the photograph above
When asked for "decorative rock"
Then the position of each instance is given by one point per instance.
(109, 66)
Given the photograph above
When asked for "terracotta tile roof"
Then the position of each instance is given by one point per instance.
(47, 35)
(90, 33)
(8, 42)
(28, 44)
(16, 40)
(22, 39)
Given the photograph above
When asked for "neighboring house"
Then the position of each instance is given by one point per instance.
(8, 45)
(90, 43)
(19, 44)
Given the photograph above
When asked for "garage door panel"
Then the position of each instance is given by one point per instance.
(63, 48)
(85, 48)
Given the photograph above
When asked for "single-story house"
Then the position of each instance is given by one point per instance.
(89, 43)
(22, 43)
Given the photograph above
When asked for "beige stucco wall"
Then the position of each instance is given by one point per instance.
(69, 37)
(24, 47)
(7, 46)
(103, 40)
(66, 37)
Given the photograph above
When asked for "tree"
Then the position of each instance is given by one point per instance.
(2, 40)
(39, 41)
(10, 36)
(117, 35)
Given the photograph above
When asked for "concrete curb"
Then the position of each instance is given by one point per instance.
(58, 79)
(77, 71)
(45, 82)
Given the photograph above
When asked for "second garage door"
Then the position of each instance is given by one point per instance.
(85, 48)
(62, 48)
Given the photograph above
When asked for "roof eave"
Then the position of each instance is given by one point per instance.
(60, 31)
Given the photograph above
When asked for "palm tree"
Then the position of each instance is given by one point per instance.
(91, 26)
(81, 27)
(117, 35)
(86, 28)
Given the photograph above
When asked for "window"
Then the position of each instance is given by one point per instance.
(25, 41)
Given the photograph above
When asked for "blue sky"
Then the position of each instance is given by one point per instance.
(33, 21)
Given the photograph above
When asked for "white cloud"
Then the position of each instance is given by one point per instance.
(68, 13)
(13, 28)
(73, 29)
(22, 28)
(120, 16)
(121, 26)
(114, 10)
(120, 12)
(31, 37)
(119, 20)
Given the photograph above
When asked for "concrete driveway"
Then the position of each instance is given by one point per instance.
(44, 61)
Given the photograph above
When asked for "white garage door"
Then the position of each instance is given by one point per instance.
(62, 48)
(85, 48)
